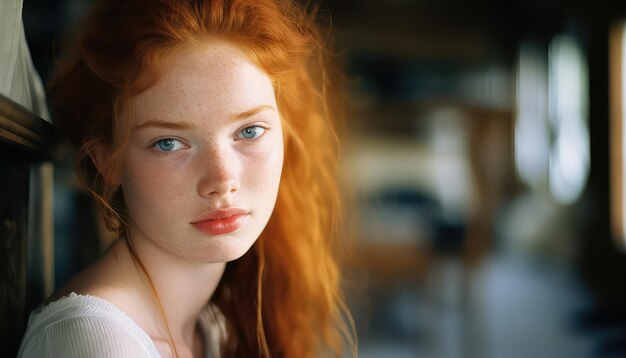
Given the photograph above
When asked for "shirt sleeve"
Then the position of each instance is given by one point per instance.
(85, 336)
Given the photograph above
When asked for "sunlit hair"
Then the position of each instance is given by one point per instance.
(282, 298)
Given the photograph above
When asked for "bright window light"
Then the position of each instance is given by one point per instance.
(569, 102)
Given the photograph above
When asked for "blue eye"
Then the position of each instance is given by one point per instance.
(250, 132)
(168, 145)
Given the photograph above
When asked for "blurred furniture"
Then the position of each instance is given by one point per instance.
(26, 247)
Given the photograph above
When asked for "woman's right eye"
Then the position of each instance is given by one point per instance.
(168, 145)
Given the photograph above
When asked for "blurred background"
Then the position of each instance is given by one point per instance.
(484, 153)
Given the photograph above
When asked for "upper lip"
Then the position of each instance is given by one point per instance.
(221, 213)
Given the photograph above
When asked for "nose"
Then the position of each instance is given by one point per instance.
(219, 173)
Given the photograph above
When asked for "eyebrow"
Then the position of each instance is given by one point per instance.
(251, 112)
(186, 125)
(182, 125)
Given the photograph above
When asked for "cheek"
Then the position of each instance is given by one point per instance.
(147, 184)
(263, 170)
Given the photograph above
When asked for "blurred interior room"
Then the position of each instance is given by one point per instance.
(484, 156)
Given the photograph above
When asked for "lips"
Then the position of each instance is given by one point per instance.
(221, 221)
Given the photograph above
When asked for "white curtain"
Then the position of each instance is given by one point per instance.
(18, 78)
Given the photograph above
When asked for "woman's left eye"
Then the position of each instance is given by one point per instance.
(168, 145)
(251, 132)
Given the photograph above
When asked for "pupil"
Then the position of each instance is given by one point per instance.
(249, 132)
(167, 144)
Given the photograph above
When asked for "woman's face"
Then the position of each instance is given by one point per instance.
(203, 165)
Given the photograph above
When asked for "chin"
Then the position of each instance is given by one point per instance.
(222, 252)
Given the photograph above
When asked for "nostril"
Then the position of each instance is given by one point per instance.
(215, 187)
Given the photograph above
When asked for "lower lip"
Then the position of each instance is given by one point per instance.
(221, 226)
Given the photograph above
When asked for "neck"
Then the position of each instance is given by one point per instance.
(184, 288)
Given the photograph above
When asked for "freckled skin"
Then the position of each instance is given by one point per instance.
(216, 168)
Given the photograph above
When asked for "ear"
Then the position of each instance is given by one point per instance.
(97, 155)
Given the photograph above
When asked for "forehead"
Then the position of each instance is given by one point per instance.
(213, 80)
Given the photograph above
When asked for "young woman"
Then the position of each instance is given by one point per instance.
(204, 135)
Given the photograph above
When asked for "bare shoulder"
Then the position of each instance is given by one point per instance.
(107, 278)
(114, 278)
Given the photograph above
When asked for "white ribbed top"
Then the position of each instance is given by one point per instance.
(89, 326)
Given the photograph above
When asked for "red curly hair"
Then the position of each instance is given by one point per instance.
(282, 298)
